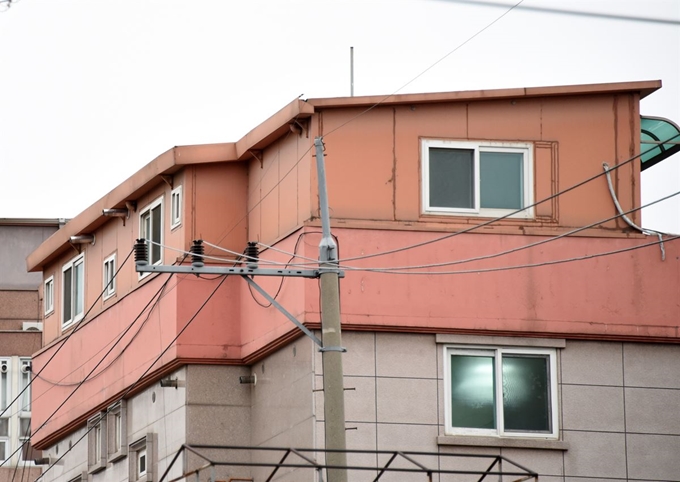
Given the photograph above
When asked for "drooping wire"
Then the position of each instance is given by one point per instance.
(80, 384)
(536, 265)
(76, 326)
(363, 113)
(135, 383)
(513, 250)
(505, 216)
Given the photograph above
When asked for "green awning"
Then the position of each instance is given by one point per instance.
(659, 132)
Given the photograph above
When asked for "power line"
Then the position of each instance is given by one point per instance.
(364, 112)
(91, 371)
(469, 39)
(559, 11)
(498, 254)
(159, 295)
(519, 248)
(536, 265)
(63, 342)
(505, 216)
(134, 384)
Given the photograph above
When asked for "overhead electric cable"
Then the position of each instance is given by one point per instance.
(501, 253)
(534, 265)
(558, 11)
(77, 325)
(134, 384)
(505, 216)
(89, 374)
(362, 113)
(469, 39)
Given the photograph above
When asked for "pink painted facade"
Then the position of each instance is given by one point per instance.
(263, 188)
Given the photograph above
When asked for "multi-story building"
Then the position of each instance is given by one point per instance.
(20, 336)
(489, 306)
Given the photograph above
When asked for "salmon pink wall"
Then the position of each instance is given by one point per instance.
(373, 164)
(217, 205)
(278, 187)
(633, 294)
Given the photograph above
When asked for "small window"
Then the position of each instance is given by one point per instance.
(73, 287)
(509, 392)
(109, 282)
(141, 463)
(96, 444)
(141, 460)
(117, 431)
(176, 207)
(151, 229)
(48, 295)
(490, 179)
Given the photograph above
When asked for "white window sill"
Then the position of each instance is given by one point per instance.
(504, 442)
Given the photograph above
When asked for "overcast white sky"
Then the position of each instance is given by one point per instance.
(90, 91)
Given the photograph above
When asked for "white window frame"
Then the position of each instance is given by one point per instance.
(109, 276)
(176, 207)
(116, 425)
(96, 444)
(48, 295)
(145, 447)
(142, 214)
(75, 317)
(525, 148)
(25, 367)
(498, 352)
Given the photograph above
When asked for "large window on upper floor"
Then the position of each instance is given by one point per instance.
(73, 290)
(505, 392)
(151, 229)
(477, 178)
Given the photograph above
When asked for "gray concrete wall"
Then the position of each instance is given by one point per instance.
(16, 243)
(282, 410)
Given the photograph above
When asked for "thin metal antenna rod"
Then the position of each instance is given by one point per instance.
(351, 71)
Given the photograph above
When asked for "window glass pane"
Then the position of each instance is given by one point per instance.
(4, 427)
(141, 462)
(501, 180)
(473, 391)
(66, 289)
(118, 434)
(526, 393)
(79, 287)
(156, 234)
(24, 427)
(452, 178)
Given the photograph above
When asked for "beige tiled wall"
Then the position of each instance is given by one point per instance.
(619, 407)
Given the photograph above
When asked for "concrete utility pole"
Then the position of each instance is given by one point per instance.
(331, 343)
(331, 353)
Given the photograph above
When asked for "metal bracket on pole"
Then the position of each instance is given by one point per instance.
(278, 306)
(341, 349)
